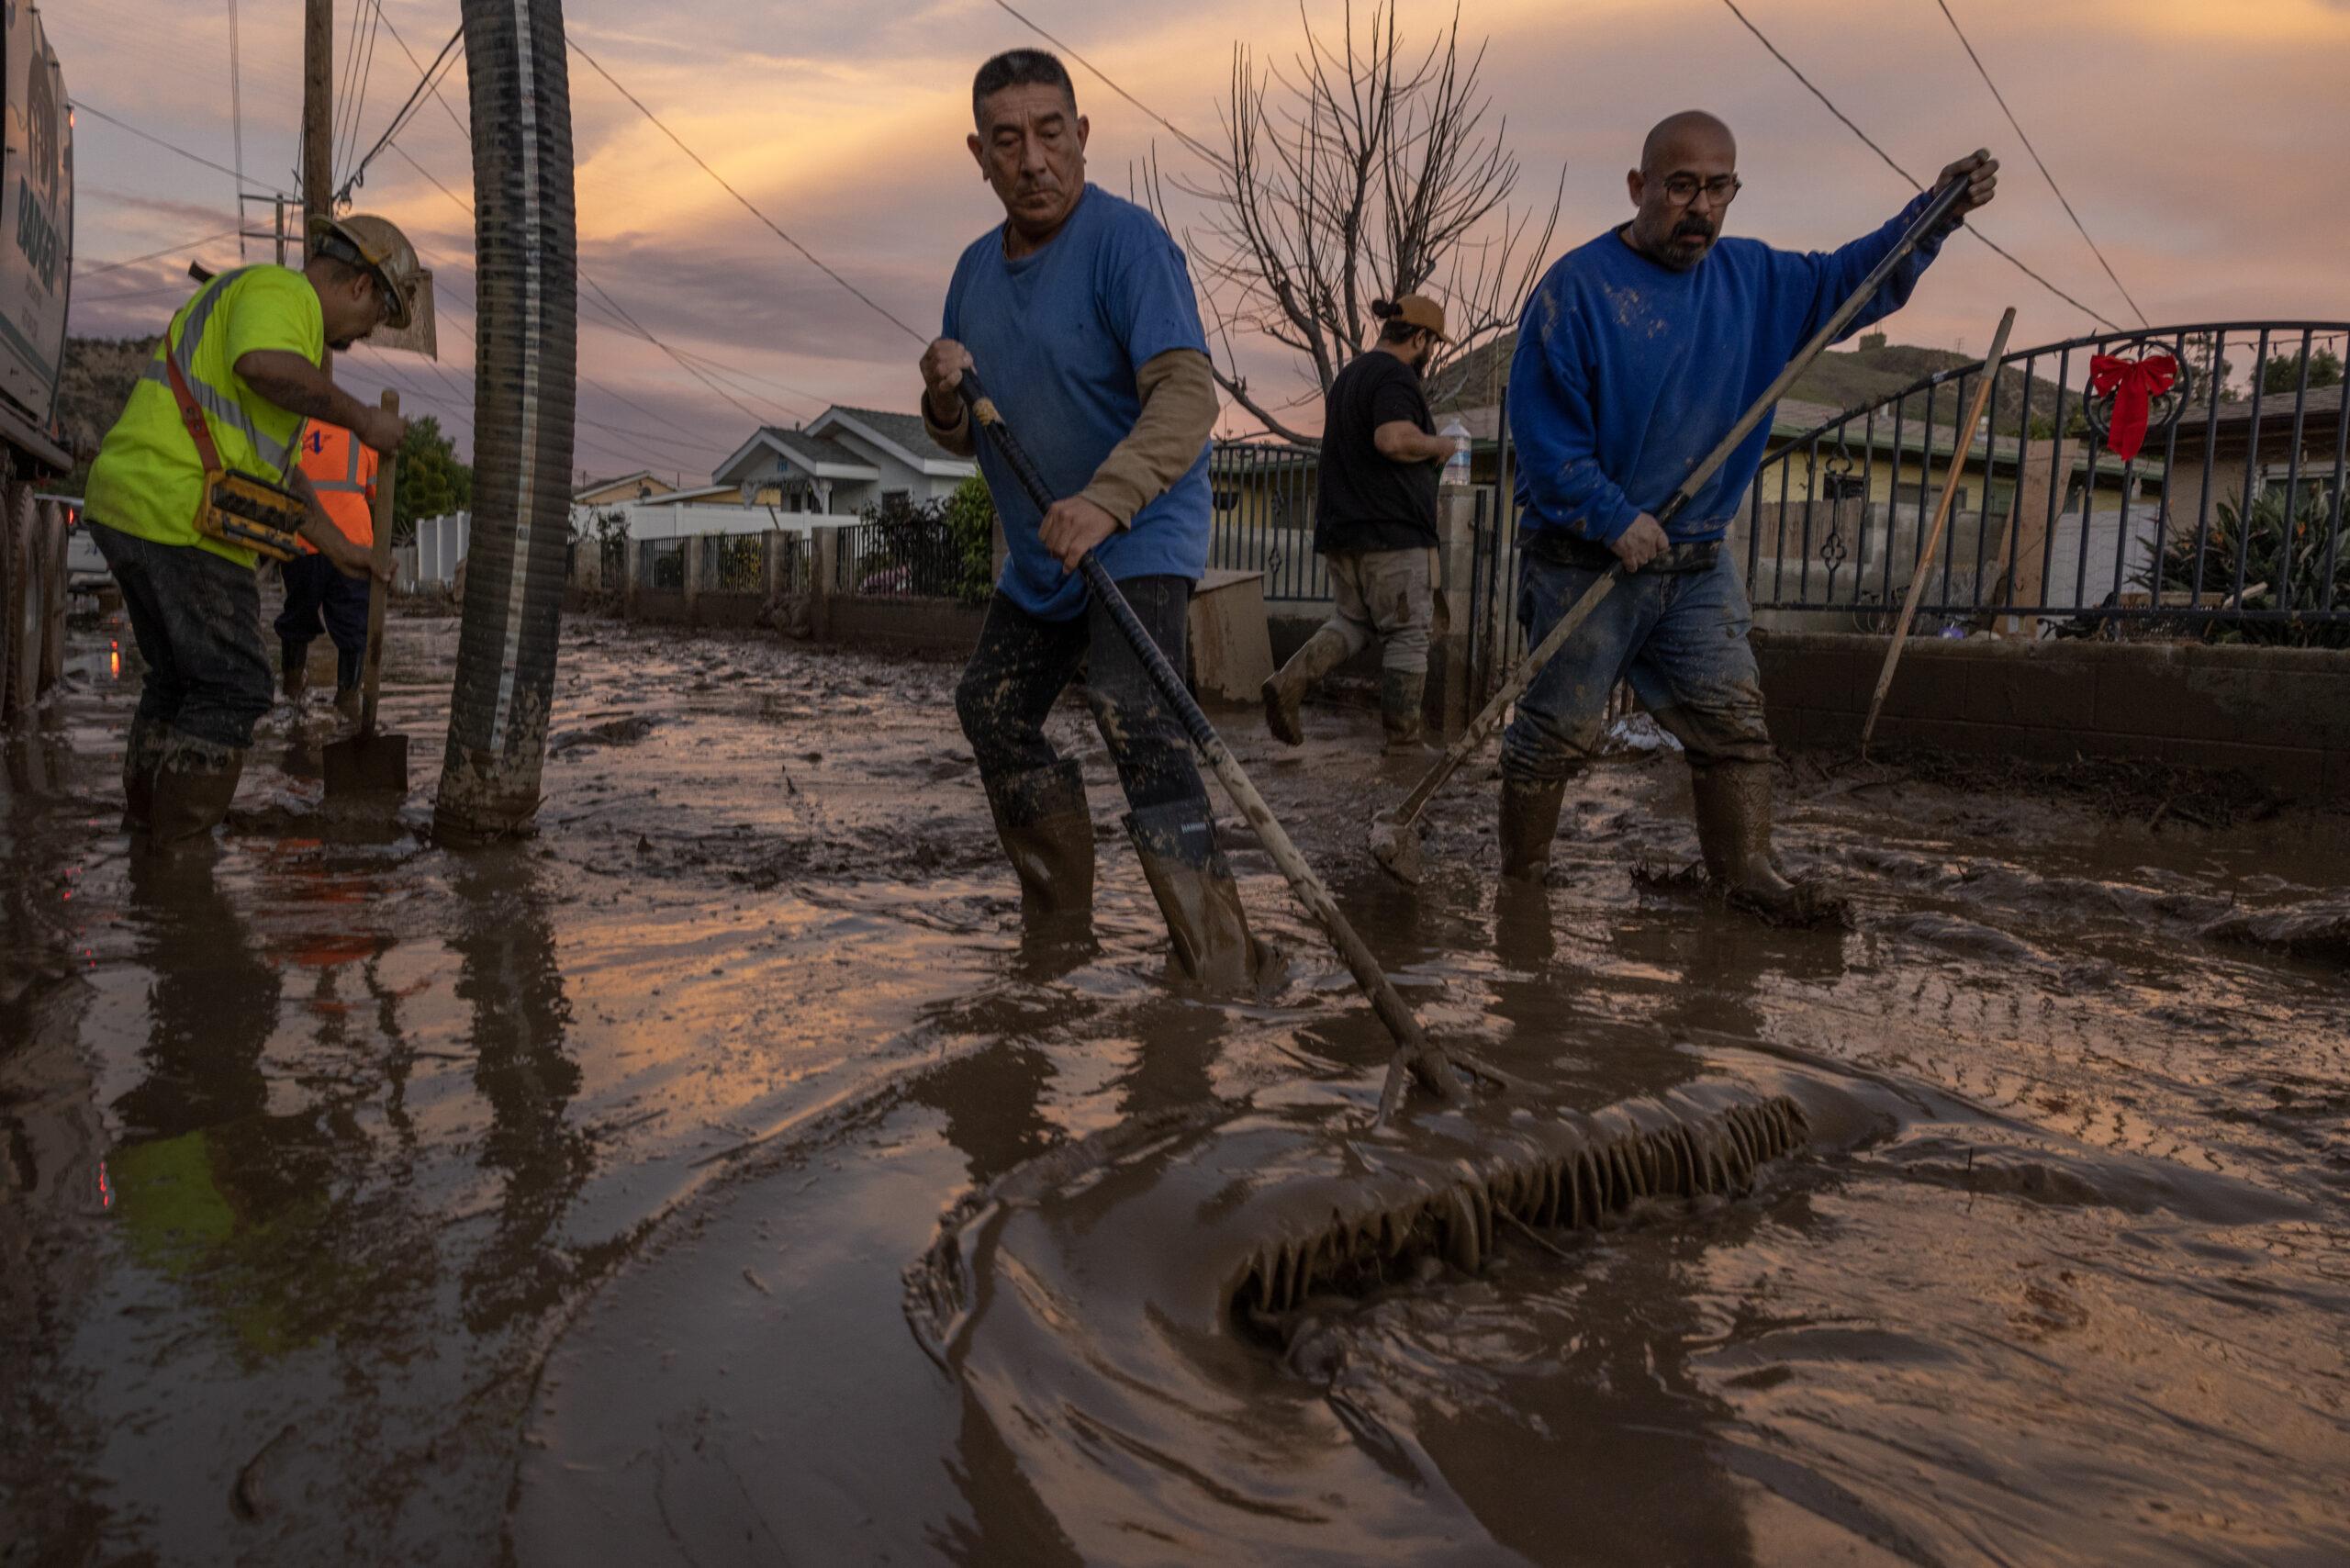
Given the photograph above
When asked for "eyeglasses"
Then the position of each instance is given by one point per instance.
(1721, 190)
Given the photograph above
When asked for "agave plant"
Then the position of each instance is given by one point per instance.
(2284, 567)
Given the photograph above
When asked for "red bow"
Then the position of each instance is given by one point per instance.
(2133, 384)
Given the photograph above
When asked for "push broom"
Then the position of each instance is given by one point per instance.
(1416, 1056)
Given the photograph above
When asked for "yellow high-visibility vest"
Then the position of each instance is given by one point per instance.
(147, 479)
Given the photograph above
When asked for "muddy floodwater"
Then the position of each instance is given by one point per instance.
(589, 1199)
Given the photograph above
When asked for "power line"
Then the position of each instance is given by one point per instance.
(635, 327)
(610, 303)
(237, 121)
(463, 129)
(439, 65)
(83, 105)
(366, 26)
(1827, 103)
(2028, 147)
(176, 287)
(875, 305)
(1180, 135)
(83, 274)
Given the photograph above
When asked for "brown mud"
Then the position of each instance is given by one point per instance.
(365, 1200)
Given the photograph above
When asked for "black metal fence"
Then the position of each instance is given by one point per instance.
(723, 563)
(661, 564)
(2228, 518)
(1262, 493)
(913, 559)
(733, 563)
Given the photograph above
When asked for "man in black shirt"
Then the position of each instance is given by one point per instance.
(1374, 518)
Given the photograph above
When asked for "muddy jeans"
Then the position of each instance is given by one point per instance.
(317, 595)
(1679, 637)
(1387, 595)
(196, 618)
(1023, 662)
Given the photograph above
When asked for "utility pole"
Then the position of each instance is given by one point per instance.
(318, 114)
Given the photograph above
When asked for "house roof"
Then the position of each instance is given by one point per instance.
(2322, 408)
(905, 436)
(822, 457)
(642, 476)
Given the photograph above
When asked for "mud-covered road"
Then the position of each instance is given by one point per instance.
(365, 1202)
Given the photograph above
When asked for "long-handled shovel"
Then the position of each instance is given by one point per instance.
(1395, 836)
(1933, 539)
(1415, 1055)
(372, 763)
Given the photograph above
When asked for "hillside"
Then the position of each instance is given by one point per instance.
(1840, 378)
(92, 388)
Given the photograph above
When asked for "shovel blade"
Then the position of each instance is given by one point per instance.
(366, 765)
(1396, 847)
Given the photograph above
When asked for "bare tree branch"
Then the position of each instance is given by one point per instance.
(1360, 170)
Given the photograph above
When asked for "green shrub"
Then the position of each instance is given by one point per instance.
(2280, 568)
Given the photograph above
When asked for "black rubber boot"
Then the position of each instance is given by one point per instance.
(1401, 694)
(1048, 834)
(194, 782)
(1733, 810)
(1206, 928)
(144, 750)
(1529, 821)
(1284, 694)
(294, 669)
(347, 703)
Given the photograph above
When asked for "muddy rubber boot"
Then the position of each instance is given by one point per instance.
(1733, 810)
(1401, 694)
(1048, 834)
(139, 757)
(294, 669)
(1529, 821)
(1284, 694)
(350, 664)
(1208, 930)
(194, 782)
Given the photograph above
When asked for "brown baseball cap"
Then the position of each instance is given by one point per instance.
(1414, 310)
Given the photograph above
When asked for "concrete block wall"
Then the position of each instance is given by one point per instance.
(2281, 715)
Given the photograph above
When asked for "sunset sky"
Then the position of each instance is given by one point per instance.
(2199, 139)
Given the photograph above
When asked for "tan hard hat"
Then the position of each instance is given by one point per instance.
(377, 245)
(1414, 310)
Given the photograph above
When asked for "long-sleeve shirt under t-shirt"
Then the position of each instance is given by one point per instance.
(1627, 373)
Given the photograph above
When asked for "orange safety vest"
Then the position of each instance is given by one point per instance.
(342, 468)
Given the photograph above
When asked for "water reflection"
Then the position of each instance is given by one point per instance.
(216, 1188)
(509, 975)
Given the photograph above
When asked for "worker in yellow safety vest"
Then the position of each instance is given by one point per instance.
(236, 373)
(342, 471)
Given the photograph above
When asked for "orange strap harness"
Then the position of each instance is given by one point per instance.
(236, 508)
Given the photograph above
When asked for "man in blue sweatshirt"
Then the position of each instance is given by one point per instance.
(1635, 353)
(1077, 311)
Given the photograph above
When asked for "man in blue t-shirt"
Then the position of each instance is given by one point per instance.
(1635, 353)
(1078, 313)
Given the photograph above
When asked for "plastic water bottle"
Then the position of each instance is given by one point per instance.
(1456, 467)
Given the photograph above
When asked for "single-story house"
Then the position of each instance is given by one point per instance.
(2227, 444)
(842, 462)
(641, 486)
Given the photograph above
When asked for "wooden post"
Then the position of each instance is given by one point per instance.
(1450, 699)
(823, 570)
(2047, 472)
(628, 578)
(318, 114)
(693, 578)
(1964, 439)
